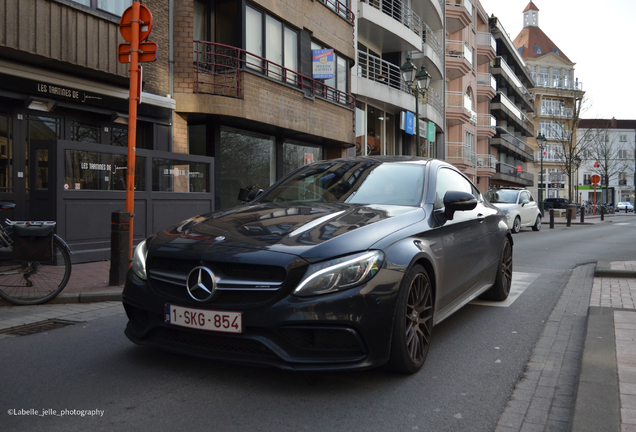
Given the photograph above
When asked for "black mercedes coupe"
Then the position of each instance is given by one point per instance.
(342, 264)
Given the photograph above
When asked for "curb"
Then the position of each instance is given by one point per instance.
(81, 297)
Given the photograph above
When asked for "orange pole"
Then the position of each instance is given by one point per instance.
(132, 123)
(594, 213)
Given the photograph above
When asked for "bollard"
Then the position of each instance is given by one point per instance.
(568, 217)
(119, 249)
(582, 215)
(551, 218)
(602, 213)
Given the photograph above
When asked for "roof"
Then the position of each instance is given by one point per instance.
(607, 124)
(531, 6)
(536, 44)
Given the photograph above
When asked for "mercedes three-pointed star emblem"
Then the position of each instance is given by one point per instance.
(201, 284)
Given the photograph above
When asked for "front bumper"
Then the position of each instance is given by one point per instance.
(347, 330)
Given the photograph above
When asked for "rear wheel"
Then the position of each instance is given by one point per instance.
(413, 324)
(503, 280)
(34, 282)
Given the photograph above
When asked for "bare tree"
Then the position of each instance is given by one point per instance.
(561, 132)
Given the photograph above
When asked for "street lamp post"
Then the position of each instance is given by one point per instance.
(541, 140)
(415, 81)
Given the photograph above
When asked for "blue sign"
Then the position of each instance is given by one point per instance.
(324, 64)
(409, 124)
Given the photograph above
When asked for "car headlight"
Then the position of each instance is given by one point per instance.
(340, 274)
(507, 213)
(139, 260)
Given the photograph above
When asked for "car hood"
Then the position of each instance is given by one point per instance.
(313, 232)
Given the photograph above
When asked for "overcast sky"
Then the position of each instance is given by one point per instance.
(597, 36)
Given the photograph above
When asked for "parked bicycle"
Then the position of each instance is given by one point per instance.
(35, 263)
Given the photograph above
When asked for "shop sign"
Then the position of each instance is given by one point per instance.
(430, 132)
(47, 90)
(324, 64)
(407, 122)
(309, 158)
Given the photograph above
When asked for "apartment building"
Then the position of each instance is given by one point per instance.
(470, 47)
(608, 151)
(557, 96)
(510, 110)
(230, 102)
(388, 34)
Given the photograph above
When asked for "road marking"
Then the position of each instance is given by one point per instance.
(520, 281)
(623, 224)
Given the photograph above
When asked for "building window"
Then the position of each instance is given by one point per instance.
(85, 133)
(623, 138)
(552, 129)
(552, 107)
(624, 154)
(341, 80)
(278, 44)
(537, 49)
(100, 171)
(296, 155)
(6, 153)
(533, 73)
(544, 76)
(179, 176)
(556, 77)
(115, 7)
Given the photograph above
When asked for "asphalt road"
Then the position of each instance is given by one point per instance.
(476, 358)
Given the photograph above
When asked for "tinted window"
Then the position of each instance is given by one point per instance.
(502, 196)
(451, 180)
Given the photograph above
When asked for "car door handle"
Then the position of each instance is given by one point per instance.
(481, 218)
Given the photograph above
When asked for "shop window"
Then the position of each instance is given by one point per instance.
(100, 171)
(296, 155)
(246, 159)
(375, 131)
(6, 154)
(115, 7)
(119, 136)
(179, 176)
(40, 129)
(85, 133)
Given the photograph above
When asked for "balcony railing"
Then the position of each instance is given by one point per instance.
(510, 170)
(513, 140)
(557, 112)
(218, 71)
(459, 49)
(560, 84)
(435, 100)
(340, 8)
(461, 100)
(512, 108)
(487, 121)
(487, 79)
(429, 38)
(460, 150)
(466, 3)
(512, 77)
(487, 39)
(400, 12)
(486, 161)
(381, 71)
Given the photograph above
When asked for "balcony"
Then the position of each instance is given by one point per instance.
(486, 47)
(432, 52)
(486, 165)
(459, 61)
(486, 126)
(391, 25)
(486, 87)
(340, 9)
(219, 69)
(510, 174)
(558, 84)
(507, 143)
(387, 77)
(499, 67)
(560, 112)
(511, 113)
(461, 155)
(459, 109)
(459, 15)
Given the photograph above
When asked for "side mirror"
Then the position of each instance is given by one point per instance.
(458, 201)
(249, 193)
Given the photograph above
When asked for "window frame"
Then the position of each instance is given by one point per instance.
(94, 4)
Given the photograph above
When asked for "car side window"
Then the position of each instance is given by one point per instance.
(525, 196)
(450, 180)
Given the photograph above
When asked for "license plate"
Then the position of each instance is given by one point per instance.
(203, 319)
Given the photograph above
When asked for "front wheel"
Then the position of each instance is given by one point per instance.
(537, 224)
(34, 282)
(516, 225)
(413, 323)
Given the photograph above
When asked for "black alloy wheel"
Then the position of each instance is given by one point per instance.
(503, 280)
(413, 324)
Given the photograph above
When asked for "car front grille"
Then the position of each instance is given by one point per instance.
(239, 285)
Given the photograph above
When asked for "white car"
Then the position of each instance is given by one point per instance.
(624, 205)
(520, 207)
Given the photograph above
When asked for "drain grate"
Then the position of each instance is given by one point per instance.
(38, 327)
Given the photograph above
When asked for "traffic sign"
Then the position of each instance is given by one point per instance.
(145, 24)
(595, 179)
(147, 52)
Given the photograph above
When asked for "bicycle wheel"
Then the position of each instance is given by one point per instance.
(34, 282)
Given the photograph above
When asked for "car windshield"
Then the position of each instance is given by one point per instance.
(502, 196)
(359, 182)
